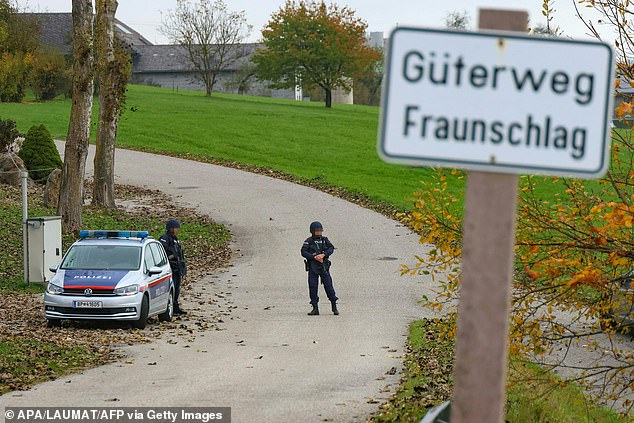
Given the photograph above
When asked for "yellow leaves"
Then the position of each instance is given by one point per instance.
(533, 274)
(620, 216)
(616, 260)
(623, 109)
(587, 276)
(601, 241)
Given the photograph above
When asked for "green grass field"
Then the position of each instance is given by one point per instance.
(26, 361)
(336, 146)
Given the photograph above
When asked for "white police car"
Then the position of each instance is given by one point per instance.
(120, 275)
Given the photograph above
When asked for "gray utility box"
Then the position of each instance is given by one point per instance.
(44, 241)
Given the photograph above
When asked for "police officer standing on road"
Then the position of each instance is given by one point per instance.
(316, 250)
(176, 258)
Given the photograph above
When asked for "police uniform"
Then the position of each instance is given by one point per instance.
(312, 247)
(177, 261)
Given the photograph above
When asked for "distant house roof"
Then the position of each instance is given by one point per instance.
(56, 30)
(129, 35)
(174, 58)
(160, 58)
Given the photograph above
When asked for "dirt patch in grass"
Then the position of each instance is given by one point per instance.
(31, 353)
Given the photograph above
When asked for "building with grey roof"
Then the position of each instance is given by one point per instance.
(159, 65)
(56, 31)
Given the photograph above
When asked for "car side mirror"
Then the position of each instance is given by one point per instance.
(155, 271)
(54, 268)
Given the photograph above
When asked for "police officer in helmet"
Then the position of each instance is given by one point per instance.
(317, 250)
(176, 258)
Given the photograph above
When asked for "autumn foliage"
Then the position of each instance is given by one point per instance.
(574, 253)
(314, 44)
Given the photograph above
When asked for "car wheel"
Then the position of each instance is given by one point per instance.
(169, 311)
(53, 323)
(145, 310)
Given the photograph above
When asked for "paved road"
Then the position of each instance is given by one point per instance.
(311, 368)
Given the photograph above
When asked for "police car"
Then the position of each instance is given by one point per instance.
(118, 275)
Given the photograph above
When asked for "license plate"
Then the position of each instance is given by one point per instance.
(87, 304)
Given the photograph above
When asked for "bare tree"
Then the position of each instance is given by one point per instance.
(71, 192)
(110, 80)
(211, 35)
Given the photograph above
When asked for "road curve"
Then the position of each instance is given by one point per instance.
(289, 367)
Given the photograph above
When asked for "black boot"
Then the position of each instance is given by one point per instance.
(314, 311)
(334, 309)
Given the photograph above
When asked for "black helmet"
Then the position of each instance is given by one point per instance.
(315, 226)
(172, 224)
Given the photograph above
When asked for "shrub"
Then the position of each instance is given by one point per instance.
(39, 152)
(13, 77)
(8, 134)
(49, 76)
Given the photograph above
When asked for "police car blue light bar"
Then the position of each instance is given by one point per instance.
(113, 234)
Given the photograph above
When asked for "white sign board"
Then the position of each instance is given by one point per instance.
(497, 102)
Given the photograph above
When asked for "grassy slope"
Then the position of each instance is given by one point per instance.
(303, 139)
(337, 146)
(534, 396)
(32, 361)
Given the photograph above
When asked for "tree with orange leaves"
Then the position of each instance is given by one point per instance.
(314, 44)
(574, 259)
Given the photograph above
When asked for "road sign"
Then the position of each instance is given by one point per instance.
(497, 102)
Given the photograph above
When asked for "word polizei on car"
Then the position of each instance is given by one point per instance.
(111, 275)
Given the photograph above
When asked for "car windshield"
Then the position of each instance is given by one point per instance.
(102, 257)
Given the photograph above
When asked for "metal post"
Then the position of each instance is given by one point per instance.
(487, 274)
(25, 217)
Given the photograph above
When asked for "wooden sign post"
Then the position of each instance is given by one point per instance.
(497, 104)
(487, 278)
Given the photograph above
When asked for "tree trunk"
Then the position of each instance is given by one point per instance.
(103, 188)
(209, 85)
(328, 98)
(72, 189)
